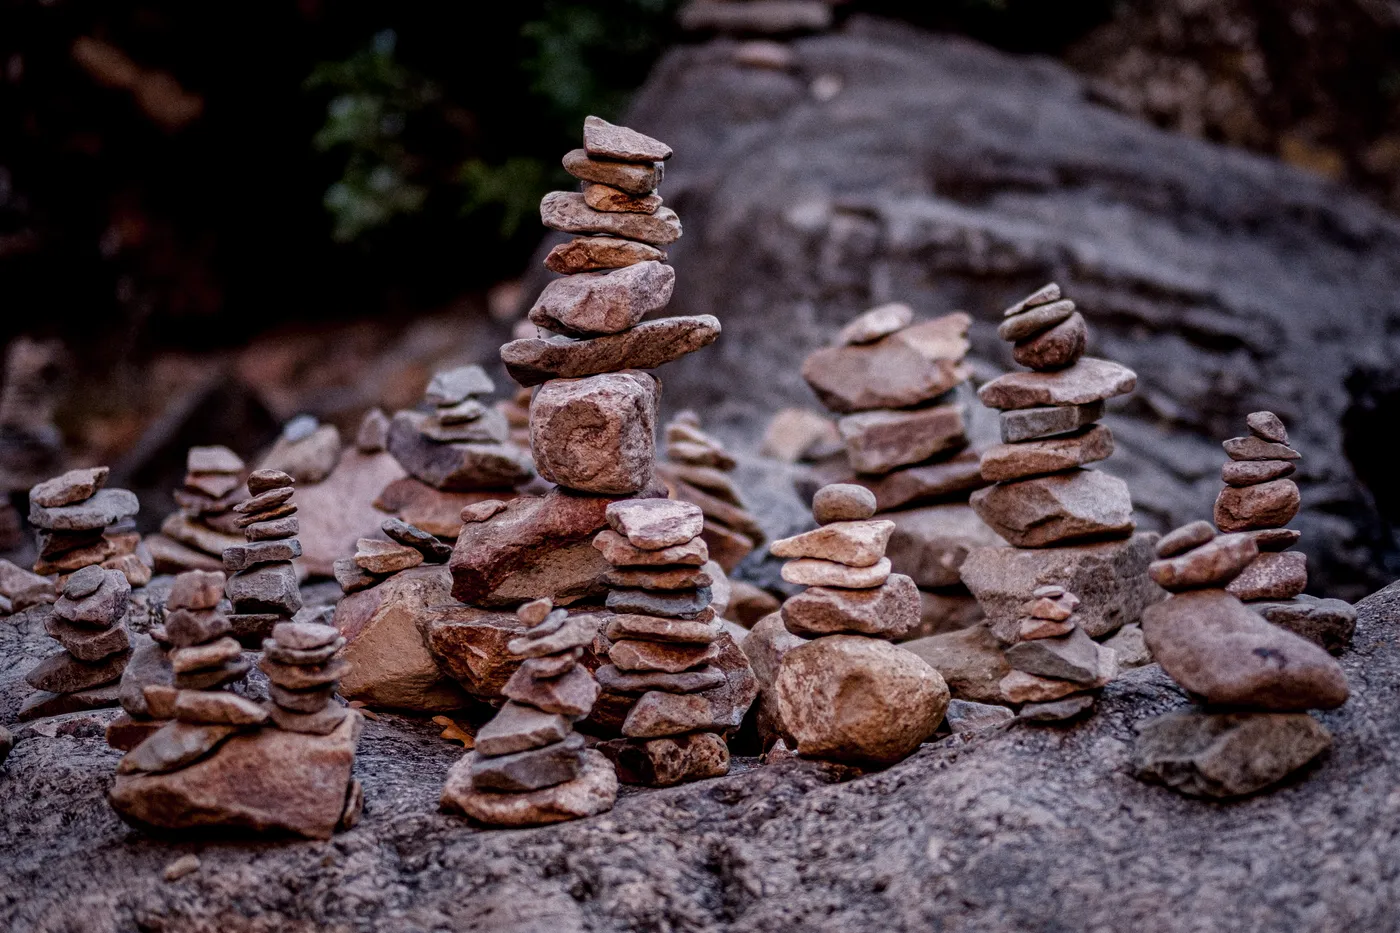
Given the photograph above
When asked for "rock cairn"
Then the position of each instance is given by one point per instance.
(892, 383)
(665, 645)
(529, 767)
(74, 515)
(1056, 669)
(377, 559)
(303, 675)
(698, 470)
(1255, 680)
(194, 538)
(263, 582)
(848, 694)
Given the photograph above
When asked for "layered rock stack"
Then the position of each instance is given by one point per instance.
(665, 645)
(74, 514)
(529, 767)
(848, 694)
(1056, 669)
(194, 538)
(263, 582)
(1255, 680)
(698, 469)
(303, 675)
(1068, 525)
(905, 436)
(405, 546)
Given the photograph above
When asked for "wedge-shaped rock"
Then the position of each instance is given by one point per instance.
(518, 728)
(1073, 656)
(891, 611)
(604, 140)
(595, 303)
(619, 552)
(569, 212)
(615, 680)
(857, 544)
(1226, 755)
(1089, 380)
(593, 791)
(904, 369)
(650, 344)
(175, 745)
(880, 441)
(1212, 564)
(633, 177)
(380, 557)
(595, 253)
(1029, 423)
(269, 588)
(1046, 510)
(1254, 472)
(655, 524)
(73, 486)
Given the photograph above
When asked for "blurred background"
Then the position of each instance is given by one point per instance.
(215, 217)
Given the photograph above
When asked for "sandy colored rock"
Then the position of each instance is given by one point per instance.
(603, 140)
(595, 303)
(308, 459)
(906, 368)
(812, 572)
(594, 253)
(594, 791)
(620, 552)
(1064, 507)
(378, 556)
(175, 745)
(1073, 656)
(1271, 576)
(656, 524)
(205, 657)
(854, 543)
(1022, 687)
(650, 344)
(1226, 755)
(1267, 505)
(931, 543)
(569, 212)
(856, 699)
(86, 644)
(1212, 564)
(875, 324)
(1267, 426)
(1031, 423)
(891, 611)
(1211, 644)
(1089, 380)
(1005, 462)
(667, 657)
(634, 178)
(795, 434)
(196, 589)
(73, 486)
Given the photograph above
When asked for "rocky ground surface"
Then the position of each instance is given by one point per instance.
(1012, 829)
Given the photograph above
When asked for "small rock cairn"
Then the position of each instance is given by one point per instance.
(1260, 499)
(194, 538)
(1256, 680)
(303, 676)
(1056, 669)
(73, 513)
(376, 559)
(263, 583)
(665, 641)
(891, 381)
(697, 470)
(529, 767)
(848, 694)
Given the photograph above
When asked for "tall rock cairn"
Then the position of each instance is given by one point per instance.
(905, 436)
(263, 583)
(1056, 669)
(848, 694)
(1260, 499)
(698, 469)
(73, 513)
(1255, 680)
(529, 767)
(665, 642)
(194, 538)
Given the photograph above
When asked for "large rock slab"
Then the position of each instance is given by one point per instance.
(335, 513)
(906, 368)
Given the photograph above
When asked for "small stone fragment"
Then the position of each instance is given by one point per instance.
(603, 140)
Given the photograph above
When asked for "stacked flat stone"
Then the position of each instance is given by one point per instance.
(665, 641)
(377, 559)
(1056, 669)
(81, 523)
(1043, 494)
(892, 382)
(303, 675)
(462, 444)
(698, 470)
(529, 767)
(1254, 679)
(263, 582)
(848, 694)
(194, 538)
(1260, 499)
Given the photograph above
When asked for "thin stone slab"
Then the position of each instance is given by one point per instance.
(875, 324)
(276, 651)
(322, 722)
(1210, 565)
(519, 728)
(880, 441)
(657, 714)
(909, 367)
(265, 501)
(607, 198)
(304, 676)
(1073, 657)
(1090, 380)
(615, 680)
(266, 515)
(529, 770)
(1043, 295)
(72, 487)
(633, 177)
(650, 344)
(1030, 423)
(216, 653)
(385, 557)
(1254, 472)
(571, 694)
(210, 678)
(591, 304)
(811, 572)
(604, 140)
(1255, 448)
(453, 386)
(675, 605)
(843, 502)
(1266, 505)
(304, 636)
(174, 746)
(455, 466)
(656, 524)
(594, 791)
(568, 212)
(856, 544)
(105, 507)
(212, 707)
(1005, 462)
(1057, 509)
(890, 611)
(660, 578)
(301, 701)
(596, 253)
(620, 552)
(1271, 576)
(1222, 755)
(490, 427)
(1035, 320)
(433, 550)
(1185, 538)
(243, 556)
(187, 627)
(656, 628)
(373, 432)
(670, 658)
(63, 673)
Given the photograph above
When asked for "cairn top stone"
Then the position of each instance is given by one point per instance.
(457, 385)
(842, 502)
(652, 524)
(73, 486)
(604, 140)
(261, 481)
(1041, 296)
(1267, 426)
(213, 459)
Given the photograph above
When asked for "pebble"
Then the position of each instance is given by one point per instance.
(654, 524)
(856, 544)
(842, 502)
(1213, 564)
(182, 866)
(1031, 423)
(890, 611)
(1267, 505)
(1185, 538)
(875, 324)
(482, 511)
(592, 304)
(1089, 380)
(634, 178)
(1035, 320)
(567, 211)
(536, 611)
(967, 716)
(265, 481)
(534, 360)
(1043, 295)
(1061, 346)
(1254, 448)
(1024, 687)
(1051, 603)
(595, 253)
(1253, 472)
(812, 572)
(1267, 426)
(86, 644)
(880, 441)
(72, 487)
(529, 770)
(1071, 707)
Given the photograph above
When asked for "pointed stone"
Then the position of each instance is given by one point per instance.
(1185, 538)
(518, 728)
(856, 544)
(1073, 657)
(1267, 426)
(571, 694)
(604, 140)
(1060, 346)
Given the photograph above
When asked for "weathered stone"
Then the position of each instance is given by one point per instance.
(591, 304)
(650, 344)
(593, 253)
(1267, 426)
(213, 459)
(856, 544)
(266, 515)
(672, 605)
(907, 368)
(615, 680)
(666, 657)
(603, 140)
(205, 657)
(596, 434)
(482, 511)
(1254, 472)
(196, 589)
(518, 728)
(1030, 629)
(1271, 576)
(321, 722)
(1021, 687)
(727, 548)
(1063, 507)
(72, 487)
(105, 507)
(575, 632)
(455, 466)
(123, 733)
(1041, 296)
(211, 707)
(307, 459)
(381, 557)
(1051, 602)
(571, 694)
(811, 572)
(273, 781)
(531, 769)
(1226, 755)
(352, 577)
(372, 436)
(634, 178)
(148, 669)
(1185, 538)
(594, 791)
(1328, 623)
(655, 628)
(186, 627)
(438, 512)
(569, 212)
(1214, 646)
(470, 645)
(875, 324)
(1031, 423)
(967, 716)
(890, 611)
(931, 543)
(304, 635)
(1060, 346)
(453, 386)
(1266, 505)
(1254, 448)
(1005, 462)
(103, 607)
(84, 643)
(174, 746)
(23, 588)
(659, 714)
(1034, 321)
(1087, 381)
(1073, 657)
(1212, 564)
(1110, 578)
(486, 426)
(842, 502)
(243, 556)
(1129, 646)
(41, 703)
(607, 198)
(308, 701)
(270, 588)
(619, 552)
(656, 524)
(275, 651)
(661, 578)
(433, 550)
(1064, 710)
(795, 434)
(668, 761)
(341, 509)
(857, 699)
(63, 673)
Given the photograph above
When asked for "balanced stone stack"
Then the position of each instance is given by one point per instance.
(529, 767)
(1255, 680)
(697, 470)
(848, 694)
(81, 523)
(303, 675)
(1056, 669)
(462, 444)
(263, 583)
(194, 538)
(1068, 525)
(893, 381)
(377, 559)
(665, 642)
